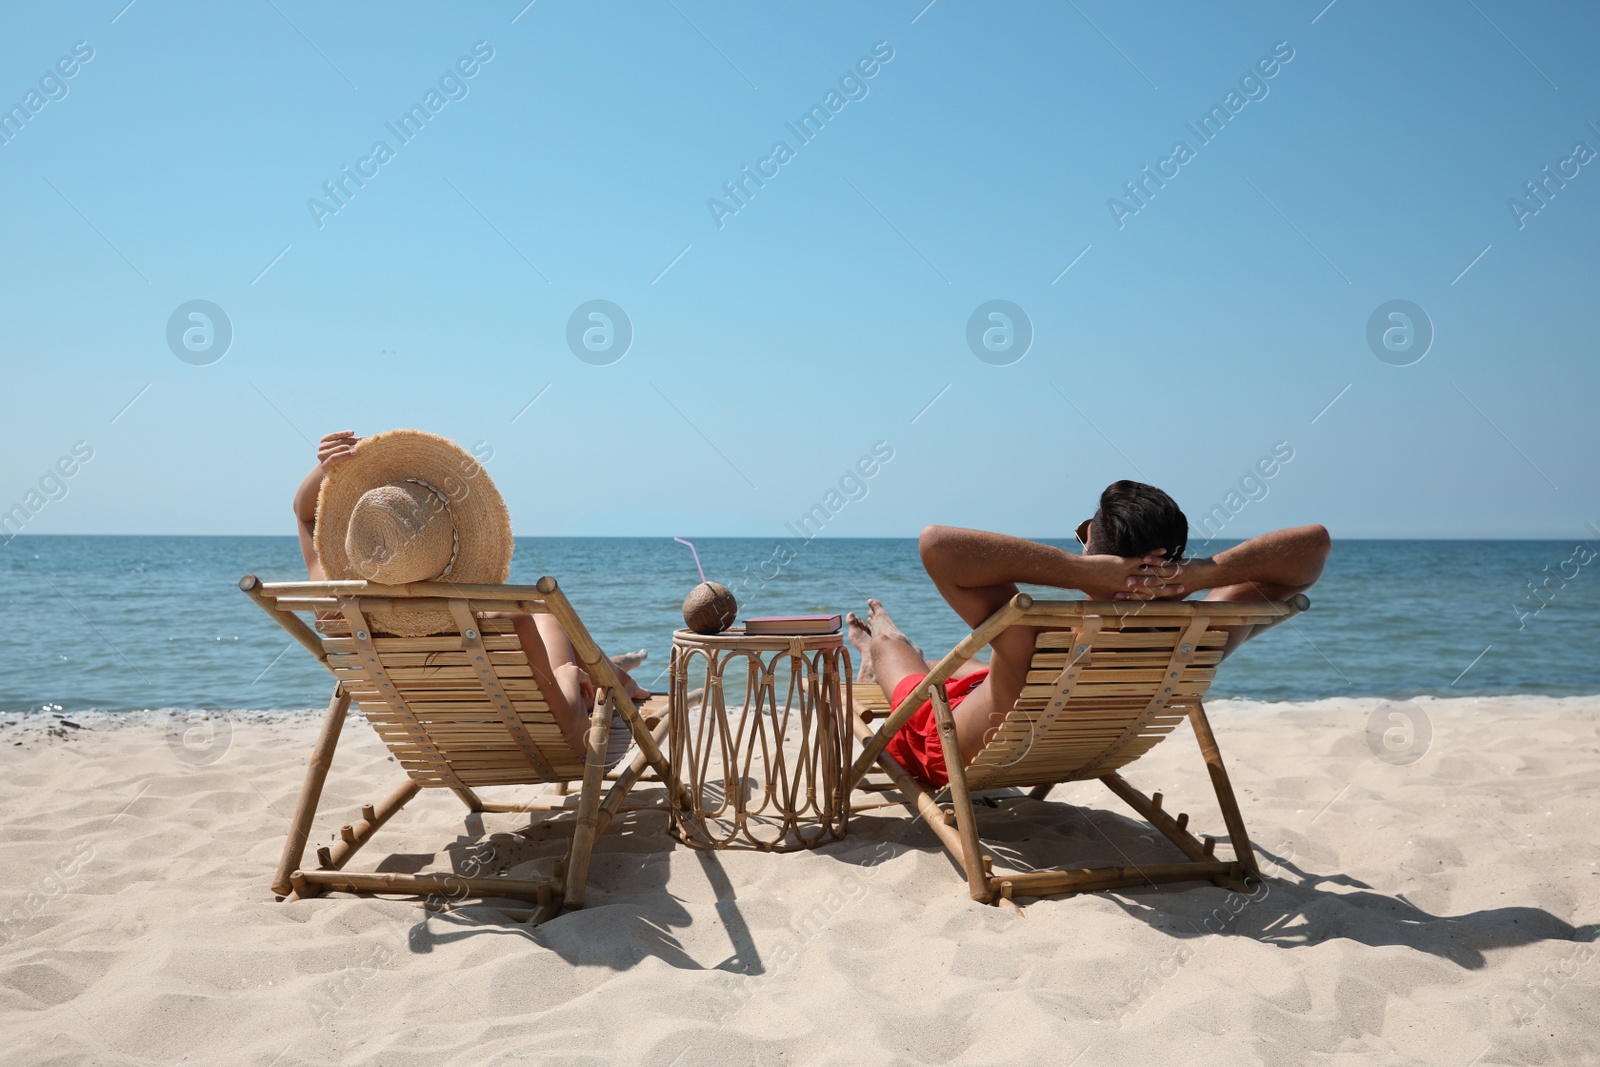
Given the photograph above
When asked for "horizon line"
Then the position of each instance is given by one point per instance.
(763, 537)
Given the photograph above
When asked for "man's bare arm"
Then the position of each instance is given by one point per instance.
(977, 571)
(1274, 566)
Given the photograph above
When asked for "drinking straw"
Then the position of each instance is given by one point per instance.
(699, 568)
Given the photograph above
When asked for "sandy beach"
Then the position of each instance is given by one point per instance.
(1440, 912)
(489, 361)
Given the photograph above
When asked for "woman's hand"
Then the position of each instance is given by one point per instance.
(581, 678)
(335, 448)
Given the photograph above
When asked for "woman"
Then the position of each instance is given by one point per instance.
(406, 506)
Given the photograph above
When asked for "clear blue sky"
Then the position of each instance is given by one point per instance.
(1221, 318)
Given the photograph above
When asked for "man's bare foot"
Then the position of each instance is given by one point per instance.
(861, 640)
(879, 624)
(878, 620)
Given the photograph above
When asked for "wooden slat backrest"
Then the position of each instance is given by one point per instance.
(1106, 684)
(455, 710)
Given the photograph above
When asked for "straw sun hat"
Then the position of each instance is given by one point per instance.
(410, 507)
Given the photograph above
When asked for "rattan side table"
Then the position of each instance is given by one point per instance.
(760, 772)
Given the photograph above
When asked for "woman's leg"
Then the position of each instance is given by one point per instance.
(553, 663)
(566, 685)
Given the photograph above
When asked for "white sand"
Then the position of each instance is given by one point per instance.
(1442, 912)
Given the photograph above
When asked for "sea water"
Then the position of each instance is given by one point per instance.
(121, 623)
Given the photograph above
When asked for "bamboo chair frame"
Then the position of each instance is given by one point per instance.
(1108, 681)
(453, 725)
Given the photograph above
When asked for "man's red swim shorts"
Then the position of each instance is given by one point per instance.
(916, 747)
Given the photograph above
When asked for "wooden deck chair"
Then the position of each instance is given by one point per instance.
(1108, 681)
(458, 710)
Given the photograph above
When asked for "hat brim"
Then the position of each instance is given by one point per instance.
(482, 523)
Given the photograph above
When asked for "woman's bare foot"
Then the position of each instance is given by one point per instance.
(629, 661)
(861, 640)
(634, 690)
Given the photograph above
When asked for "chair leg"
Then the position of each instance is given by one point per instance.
(473, 802)
(353, 836)
(1231, 818)
(310, 793)
(1039, 792)
(917, 799)
(1150, 808)
(628, 779)
(961, 799)
(594, 771)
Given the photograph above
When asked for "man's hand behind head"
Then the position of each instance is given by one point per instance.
(1147, 577)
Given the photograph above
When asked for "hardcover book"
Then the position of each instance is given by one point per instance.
(792, 624)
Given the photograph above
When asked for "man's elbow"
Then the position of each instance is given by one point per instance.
(1318, 539)
(1314, 546)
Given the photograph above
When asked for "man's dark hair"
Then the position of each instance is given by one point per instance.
(1135, 518)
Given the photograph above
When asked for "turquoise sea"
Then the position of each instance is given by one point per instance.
(120, 623)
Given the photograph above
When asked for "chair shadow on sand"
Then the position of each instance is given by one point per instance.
(1292, 907)
(635, 850)
(639, 853)
(1293, 910)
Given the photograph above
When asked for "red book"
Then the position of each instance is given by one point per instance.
(792, 625)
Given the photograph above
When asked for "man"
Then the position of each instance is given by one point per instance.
(1133, 549)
